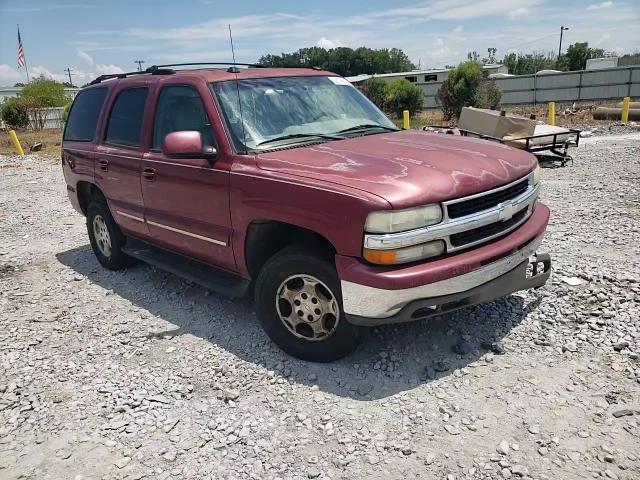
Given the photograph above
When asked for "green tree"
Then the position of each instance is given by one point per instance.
(629, 59)
(14, 112)
(530, 63)
(460, 88)
(342, 60)
(44, 92)
(404, 95)
(467, 85)
(578, 54)
(376, 90)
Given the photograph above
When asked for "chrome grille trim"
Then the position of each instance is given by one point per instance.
(448, 226)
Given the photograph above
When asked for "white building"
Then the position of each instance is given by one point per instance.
(422, 76)
(6, 92)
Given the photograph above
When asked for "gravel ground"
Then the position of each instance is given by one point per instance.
(138, 374)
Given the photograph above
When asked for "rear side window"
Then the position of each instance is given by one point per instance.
(125, 122)
(84, 114)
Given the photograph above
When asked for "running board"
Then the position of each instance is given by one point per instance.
(204, 275)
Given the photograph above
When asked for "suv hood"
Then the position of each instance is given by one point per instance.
(406, 168)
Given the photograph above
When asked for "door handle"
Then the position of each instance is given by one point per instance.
(104, 165)
(149, 173)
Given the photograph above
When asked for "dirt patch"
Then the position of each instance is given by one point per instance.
(50, 139)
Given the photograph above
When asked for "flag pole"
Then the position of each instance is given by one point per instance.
(24, 56)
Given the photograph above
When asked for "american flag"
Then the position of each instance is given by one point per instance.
(20, 51)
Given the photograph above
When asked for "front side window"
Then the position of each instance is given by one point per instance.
(297, 108)
(180, 108)
(125, 121)
(84, 114)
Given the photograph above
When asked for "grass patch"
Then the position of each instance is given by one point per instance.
(50, 139)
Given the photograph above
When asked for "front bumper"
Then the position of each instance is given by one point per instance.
(374, 295)
(531, 273)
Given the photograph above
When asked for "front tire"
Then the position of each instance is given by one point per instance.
(105, 237)
(299, 303)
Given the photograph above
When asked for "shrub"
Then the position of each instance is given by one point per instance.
(65, 112)
(376, 90)
(45, 92)
(404, 95)
(489, 95)
(14, 113)
(467, 86)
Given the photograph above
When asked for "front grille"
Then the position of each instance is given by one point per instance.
(481, 233)
(484, 202)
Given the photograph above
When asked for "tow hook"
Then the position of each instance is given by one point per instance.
(539, 263)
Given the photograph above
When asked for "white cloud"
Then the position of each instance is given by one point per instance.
(39, 70)
(518, 13)
(324, 42)
(9, 76)
(599, 6)
(458, 29)
(107, 69)
(85, 56)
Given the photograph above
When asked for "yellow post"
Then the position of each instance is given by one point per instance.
(16, 142)
(405, 119)
(625, 109)
(551, 112)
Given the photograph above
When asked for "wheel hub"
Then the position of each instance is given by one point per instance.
(101, 235)
(307, 307)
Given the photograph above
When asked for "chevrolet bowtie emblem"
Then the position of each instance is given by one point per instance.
(507, 210)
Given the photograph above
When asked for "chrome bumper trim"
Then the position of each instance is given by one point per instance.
(372, 302)
(443, 230)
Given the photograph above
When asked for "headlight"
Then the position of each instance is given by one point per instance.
(392, 221)
(536, 175)
(405, 255)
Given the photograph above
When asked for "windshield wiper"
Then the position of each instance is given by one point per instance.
(365, 126)
(301, 135)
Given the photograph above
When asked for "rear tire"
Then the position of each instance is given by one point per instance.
(299, 304)
(105, 236)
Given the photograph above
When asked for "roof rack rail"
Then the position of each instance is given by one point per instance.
(153, 68)
(164, 70)
(152, 71)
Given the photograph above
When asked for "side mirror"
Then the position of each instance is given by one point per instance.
(186, 144)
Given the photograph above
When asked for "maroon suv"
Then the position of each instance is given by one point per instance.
(292, 182)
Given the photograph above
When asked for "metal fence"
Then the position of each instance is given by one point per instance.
(46, 118)
(585, 85)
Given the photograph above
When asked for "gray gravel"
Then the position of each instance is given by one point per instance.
(139, 374)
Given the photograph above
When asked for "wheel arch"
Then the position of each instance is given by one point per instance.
(86, 191)
(264, 238)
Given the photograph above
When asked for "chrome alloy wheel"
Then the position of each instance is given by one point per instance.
(101, 234)
(307, 307)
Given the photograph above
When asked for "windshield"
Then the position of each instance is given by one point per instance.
(285, 110)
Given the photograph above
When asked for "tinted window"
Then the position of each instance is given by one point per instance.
(180, 108)
(83, 117)
(125, 122)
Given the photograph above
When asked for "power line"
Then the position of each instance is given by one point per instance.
(139, 62)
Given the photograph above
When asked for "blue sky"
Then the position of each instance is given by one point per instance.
(94, 37)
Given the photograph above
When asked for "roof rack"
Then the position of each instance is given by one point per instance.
(164, 70)
(190, 64)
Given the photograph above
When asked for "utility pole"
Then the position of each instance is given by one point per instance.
(68, 70)
(562, 29)
(139, 62)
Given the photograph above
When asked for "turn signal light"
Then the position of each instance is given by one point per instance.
(404, 255)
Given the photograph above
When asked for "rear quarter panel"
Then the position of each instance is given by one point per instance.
(77, 166)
